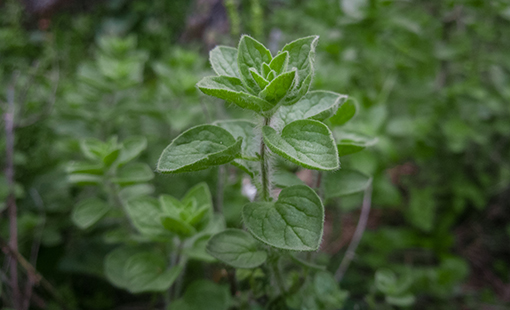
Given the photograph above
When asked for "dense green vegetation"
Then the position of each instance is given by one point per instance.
(92, 94)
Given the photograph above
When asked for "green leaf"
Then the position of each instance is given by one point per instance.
(251, 54)
(261, 82)
(199, 148)
(318, 105)
(422, 209)
(297, 93)
(307, 143)
(266, 69)
(198, 250)
(280, 62)
(147, 272)
(131, 148)
(345, 113)
(283, 178)
(83, 179)
(134, 191)
(145, 214)
(201, 194)
(177, 226)
(93, 148)
(114, 265)
(246, 130)
(278, 88)
(345, 182)
(134, 173)
(236, 248)
(232, 90)
(85, 168)
(224, 61)
(351, 142)
(406, 300)
(206, 295)
(301, 57)
(294, 222)
(111, 156)
(88, 212)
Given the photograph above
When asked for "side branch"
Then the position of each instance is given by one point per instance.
(358, 233)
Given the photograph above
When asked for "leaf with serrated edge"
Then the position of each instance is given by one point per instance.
(224, 61)
(232, 90)
(280, 62)
(345, 182)
(199, 148)
(279, 87)
(294, 222)
(351, 142)
(318, 105)
(345, 113)
(236, 248)
(261, 82)
(88, 212)
(307, 143)
(251, 54)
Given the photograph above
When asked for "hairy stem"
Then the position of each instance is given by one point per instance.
(265, 168)
(358, 233)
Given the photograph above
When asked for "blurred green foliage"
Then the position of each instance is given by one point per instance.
(430, 78)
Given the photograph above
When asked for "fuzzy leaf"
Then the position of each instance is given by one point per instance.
(251, 54)
(261, 82)
(236, 248)
(85, 168)
(280, 62)
(301, 57)
(88, 212)
(199, 148)
(345, 113)
(283, 178)
(278, 88)
(232, 90)
(224, 61)
(307, 143)
(351, 142)
(345, 182)
(294, 222)
(318, 105)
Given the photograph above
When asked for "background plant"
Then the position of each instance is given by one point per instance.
(430, 82)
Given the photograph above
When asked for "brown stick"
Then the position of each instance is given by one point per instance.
(32, 273)
(11, 199)
(358, 233)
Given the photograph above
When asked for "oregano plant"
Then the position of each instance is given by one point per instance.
(291, 127)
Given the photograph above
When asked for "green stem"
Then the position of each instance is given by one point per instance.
(278, 276)
(264, 168)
